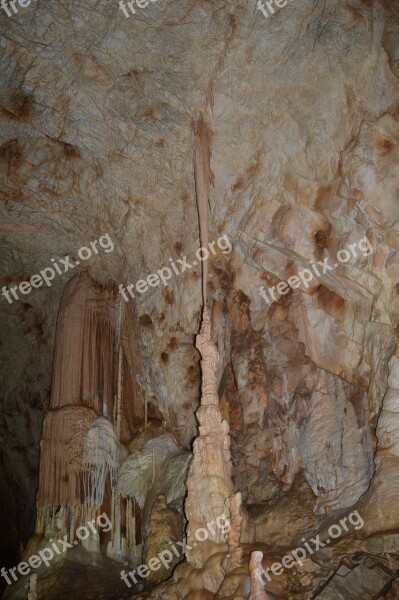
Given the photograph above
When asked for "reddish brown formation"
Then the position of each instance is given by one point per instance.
(91, 412)
(82, 389)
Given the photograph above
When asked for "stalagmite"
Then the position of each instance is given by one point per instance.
(32, 594)
(233, 536)
(258, 591)
(209, 482)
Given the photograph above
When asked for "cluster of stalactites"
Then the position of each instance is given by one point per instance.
(79, 451)
(101, 459)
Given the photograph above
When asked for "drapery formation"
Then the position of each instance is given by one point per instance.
(79, 447)
(92, 412)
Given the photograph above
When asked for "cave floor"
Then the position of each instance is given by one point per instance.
(71, 579)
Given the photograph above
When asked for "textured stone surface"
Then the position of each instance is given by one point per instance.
(364, 581)
(97, 115)
(166, 525)
(209, 483)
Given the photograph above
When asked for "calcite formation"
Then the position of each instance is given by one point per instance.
(209, 483)
(91, 415)
(164, 530)
(233, 536)
(80, 449)
(287, 129)
(255, 568)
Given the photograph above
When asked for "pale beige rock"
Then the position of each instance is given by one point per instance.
(97, 135)
(234, 504)
(209, 483)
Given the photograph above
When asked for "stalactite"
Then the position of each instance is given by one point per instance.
(100, 459)
(119, 395)
(209, 482)
(62, 448)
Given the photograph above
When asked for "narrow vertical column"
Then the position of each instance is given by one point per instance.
(258, 591)
(209, 483)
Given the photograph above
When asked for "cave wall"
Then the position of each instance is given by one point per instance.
(97, 112)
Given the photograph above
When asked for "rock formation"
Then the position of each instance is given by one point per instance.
(233, 536)
(164, 530)
(209, 483)
(255, 568)
(282, 133)
(80, 448)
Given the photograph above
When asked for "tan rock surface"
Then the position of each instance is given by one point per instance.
(302, 123)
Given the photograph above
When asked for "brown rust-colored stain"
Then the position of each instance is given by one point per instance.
(168, 295)
(244, 181)
(69, 150)
(384, 145)
(11, 153)
(31, 322)
(239, 185)
(160, 143)
(21, 106)
(164, 357)
(149, 113)
(225, 276)
(178, 246)
(320, 238)
(133, 73)
(185, 196)
(187, 406)
(145, 321)
(193, 373)
(270, 279)
(331, 303)
(173, 344)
